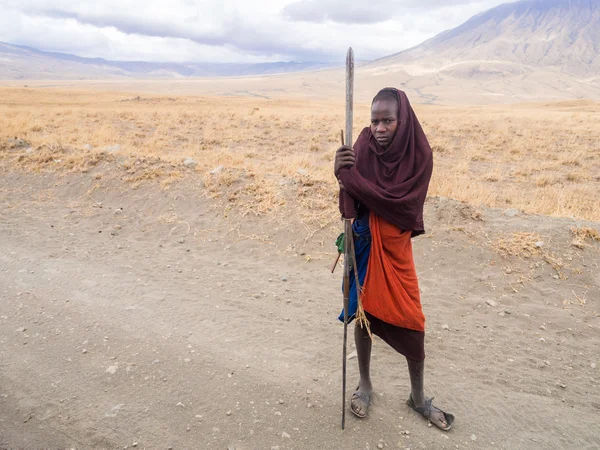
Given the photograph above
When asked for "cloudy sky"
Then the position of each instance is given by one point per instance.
(230, 30)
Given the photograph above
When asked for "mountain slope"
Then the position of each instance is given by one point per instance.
(525, 51)
(18, 62)
(513, 38)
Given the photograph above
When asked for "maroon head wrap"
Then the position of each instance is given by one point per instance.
(392, 182)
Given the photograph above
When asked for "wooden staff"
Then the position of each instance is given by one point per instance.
(348, 203)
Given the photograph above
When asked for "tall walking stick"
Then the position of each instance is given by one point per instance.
(348, 203)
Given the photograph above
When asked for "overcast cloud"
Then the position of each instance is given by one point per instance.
(230, 30)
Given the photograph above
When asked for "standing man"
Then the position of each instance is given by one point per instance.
(387, 173)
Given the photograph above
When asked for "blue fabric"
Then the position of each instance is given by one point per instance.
(362, 246)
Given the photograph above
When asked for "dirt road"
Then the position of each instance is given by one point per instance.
(145, 318)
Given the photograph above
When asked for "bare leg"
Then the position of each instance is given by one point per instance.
(359, 402)
(416, 370)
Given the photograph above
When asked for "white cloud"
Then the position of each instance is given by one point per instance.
(230, 30)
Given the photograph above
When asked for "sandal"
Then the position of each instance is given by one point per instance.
(427, 409)
(365, 398)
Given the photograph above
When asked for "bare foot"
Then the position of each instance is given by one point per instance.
(438, 418)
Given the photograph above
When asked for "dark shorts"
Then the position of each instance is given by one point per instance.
(409, 343)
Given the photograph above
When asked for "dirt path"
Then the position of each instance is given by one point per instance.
(167, 325)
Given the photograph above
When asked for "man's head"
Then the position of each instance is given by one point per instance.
(384, 116)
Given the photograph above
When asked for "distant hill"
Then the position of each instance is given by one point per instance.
(525, 50)
(514, 38)
(531, 50)
(17, 62)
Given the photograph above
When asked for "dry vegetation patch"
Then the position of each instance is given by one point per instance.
(583, 236)
(542, 159)
(520, 244)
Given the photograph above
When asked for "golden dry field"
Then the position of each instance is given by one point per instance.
(262, 154)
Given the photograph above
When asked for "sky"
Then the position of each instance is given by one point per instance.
(243, 31)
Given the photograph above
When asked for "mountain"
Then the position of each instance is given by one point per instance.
(514, 38)
(524, 50)
(530, 50)
(17, 62)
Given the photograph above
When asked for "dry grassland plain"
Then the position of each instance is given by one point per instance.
(165, 304)
(271, 154)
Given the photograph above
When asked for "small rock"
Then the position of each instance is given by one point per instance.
(564, 386)
(593, 365)
(22, 329)
(380, 445)
(182, 241)
(134, 444)
(113, 148)
(446, 327)
(284, 279)
(302, 172)
(502, 314)
(217, 170)
(112, 369)
(508, 270)
(473, 437)
(228, 413)
(280, 401)
(511, 212)
(353, 355)
(542, 327)
(84, 351)
(87, 147)
(118, 211)
(308, 391)
(539, 244)
(190, 162)
(285, 435)
(492, 302)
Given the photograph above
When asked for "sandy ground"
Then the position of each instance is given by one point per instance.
(145, 317)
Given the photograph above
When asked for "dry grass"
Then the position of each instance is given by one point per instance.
(539, 158)
(528, 247)
(521, 245)
(582, 235)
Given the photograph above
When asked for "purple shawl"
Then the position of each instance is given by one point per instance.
(393, 182)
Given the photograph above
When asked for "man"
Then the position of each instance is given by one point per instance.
(387, 173)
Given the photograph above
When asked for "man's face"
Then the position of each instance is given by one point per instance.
(384, 121)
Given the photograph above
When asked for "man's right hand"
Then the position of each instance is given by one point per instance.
(344, 157)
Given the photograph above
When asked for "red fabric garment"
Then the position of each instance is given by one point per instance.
(392, 183)
(391, 287)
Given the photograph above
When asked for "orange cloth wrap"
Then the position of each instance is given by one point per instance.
(391, 288)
